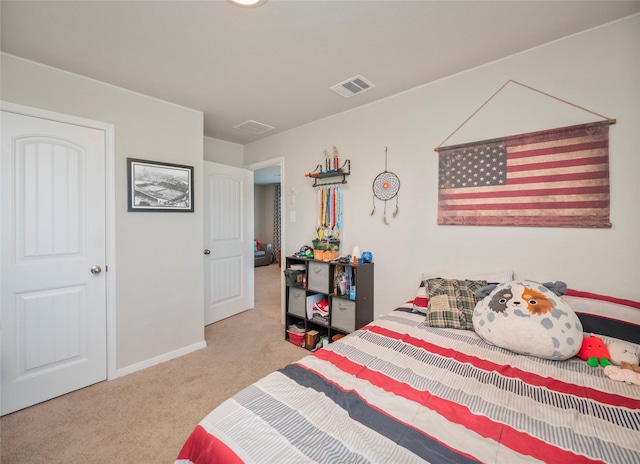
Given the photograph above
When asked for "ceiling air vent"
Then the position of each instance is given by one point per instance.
(254, 127)
(353, 86)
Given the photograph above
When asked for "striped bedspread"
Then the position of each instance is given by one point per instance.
(399, 392)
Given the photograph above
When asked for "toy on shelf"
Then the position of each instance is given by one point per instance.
(594, 351)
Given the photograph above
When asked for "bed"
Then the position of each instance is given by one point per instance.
(398, 391)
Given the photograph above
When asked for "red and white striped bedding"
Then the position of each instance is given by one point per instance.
(397, 391)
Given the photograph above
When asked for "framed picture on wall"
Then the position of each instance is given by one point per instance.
(156, 186)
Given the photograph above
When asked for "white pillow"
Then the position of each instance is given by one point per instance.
(528, 318)
(491, 277)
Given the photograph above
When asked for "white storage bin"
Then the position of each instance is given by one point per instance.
(296, 301)
(318, 277)
(343, 314)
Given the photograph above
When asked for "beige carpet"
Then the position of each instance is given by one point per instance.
(146, 416)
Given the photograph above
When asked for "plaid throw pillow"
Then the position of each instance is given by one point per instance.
(451, 302)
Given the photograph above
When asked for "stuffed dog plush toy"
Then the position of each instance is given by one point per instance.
(528, 318)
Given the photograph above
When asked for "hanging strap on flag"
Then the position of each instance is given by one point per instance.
(611, 121)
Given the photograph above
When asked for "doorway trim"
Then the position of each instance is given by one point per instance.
(265, 164)
(110, 252)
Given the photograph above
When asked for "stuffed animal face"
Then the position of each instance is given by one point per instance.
(522, 298)
(528, 318)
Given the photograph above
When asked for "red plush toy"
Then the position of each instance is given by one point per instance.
(594, 351)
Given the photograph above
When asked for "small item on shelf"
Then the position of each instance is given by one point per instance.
(355, 252)
(296, 334)
(297, 328)
(342, 284)
(296, 338)
(367, 257)
(311, 339)
(305, 252)
(316, 172)
(321, 308)
(324, 340)
(325, 255)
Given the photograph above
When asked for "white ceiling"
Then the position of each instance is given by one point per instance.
(275, 63)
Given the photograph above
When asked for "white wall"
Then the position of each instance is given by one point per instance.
(598, 69)
(263, 212)
(219, 151)
(160, 296)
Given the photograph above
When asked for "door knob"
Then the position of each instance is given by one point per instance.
(207, 252)
(96, 270)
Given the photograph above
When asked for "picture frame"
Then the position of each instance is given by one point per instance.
(154, 186)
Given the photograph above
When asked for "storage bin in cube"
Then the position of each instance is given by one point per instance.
(293, 277)
(297, 301)
(343, 314)
(318, 278)
(296, 338)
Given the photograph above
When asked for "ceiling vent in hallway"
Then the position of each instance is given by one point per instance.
(353, 86)
(254, 127)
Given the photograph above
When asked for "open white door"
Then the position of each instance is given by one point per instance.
(228, 240)
(53, 259)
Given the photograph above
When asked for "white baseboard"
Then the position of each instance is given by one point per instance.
(160, 359)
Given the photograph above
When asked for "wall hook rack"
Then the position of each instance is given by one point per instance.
(342, 171)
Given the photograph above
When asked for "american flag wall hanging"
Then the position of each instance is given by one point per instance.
(552, 178)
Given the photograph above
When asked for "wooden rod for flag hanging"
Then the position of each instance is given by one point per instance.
(611, 121)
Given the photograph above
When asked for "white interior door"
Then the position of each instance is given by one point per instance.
(52, 276)
(228, 239)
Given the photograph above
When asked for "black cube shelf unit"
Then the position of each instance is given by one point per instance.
(348, 311)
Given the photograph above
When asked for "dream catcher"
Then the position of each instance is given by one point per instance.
(385, 187)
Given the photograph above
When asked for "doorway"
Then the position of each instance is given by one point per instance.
(269, 210)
